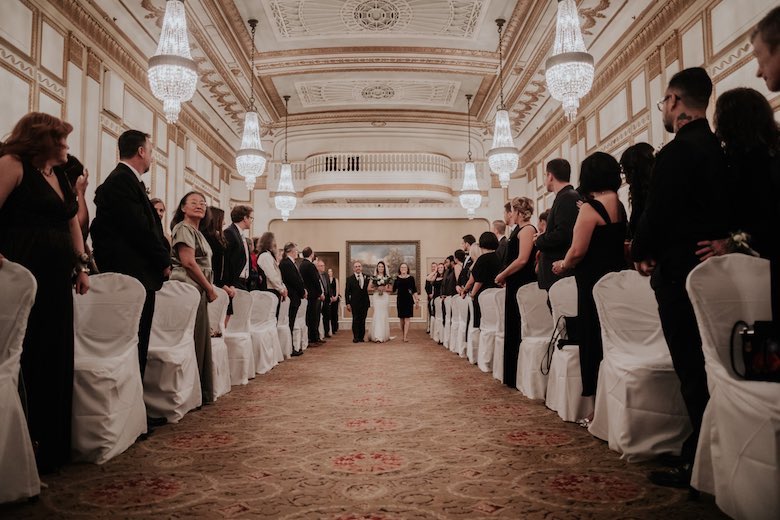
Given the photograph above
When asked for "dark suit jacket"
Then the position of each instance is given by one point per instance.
(501, 251)
(448, 285)
(291, 278)
(556, 241)
(235, 255)
(127, 235)
(354, 295)
(311, 279)
(326, 285)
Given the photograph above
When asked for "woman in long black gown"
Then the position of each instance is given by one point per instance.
(405, 289)
(39, 230)
(521, 255)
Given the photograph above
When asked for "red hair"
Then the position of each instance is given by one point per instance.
(36, 137)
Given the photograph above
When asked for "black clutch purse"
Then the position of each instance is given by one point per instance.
(760, 344)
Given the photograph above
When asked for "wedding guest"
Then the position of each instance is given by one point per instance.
(437, 283)
(356, 298)
(407, 298)
(326, 298)
(555, 241)
(468, 263)
(429, 279)
(211, 227)
(508, 216)
(159, 208)
(483, 275)
(237, 255)
(521, 250)
(257, 281)
(191, 255)
(314, 289)
(78, 177)
(38, 213)
(596, 249)
(334, 301)
(379, 284)
(637, 165)
(296, 291)
(460, 277)
(543, 220)
(266, 261)
(499, 228)
(687, 203)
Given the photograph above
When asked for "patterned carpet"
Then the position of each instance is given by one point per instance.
(366, 432)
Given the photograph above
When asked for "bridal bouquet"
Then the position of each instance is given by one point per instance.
(381, 281)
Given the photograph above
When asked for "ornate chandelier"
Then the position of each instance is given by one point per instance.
(250, 158)
(285, 199)
(470, 196)
(569, 71)
(172, 72)
(503, 157)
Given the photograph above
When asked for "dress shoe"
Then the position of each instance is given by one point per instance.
(679, 477)
(297, 353)
(355, 340)
(670, 460)
(156, 421)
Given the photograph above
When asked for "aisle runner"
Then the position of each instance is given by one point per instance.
(366, 431)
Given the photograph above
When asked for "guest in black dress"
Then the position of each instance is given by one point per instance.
(406, 290)
(334, 302)
(39, 229)
(429, 289)
(521, 258)
(483, 275)
(211, 227)
(637, 164)
(596, 249)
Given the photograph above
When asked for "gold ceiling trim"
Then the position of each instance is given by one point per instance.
(376, 187)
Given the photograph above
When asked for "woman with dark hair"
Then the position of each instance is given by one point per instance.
(211, 227)
(637, 164)
(406, 290)
(191, 254)
(596, 249)
(483, 274)
(269, 265)
(159, 207)
(380, 283)
(39, 229)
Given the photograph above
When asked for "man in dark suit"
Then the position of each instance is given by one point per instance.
(555, 242)
(237, 259)
(127, 235)
(313, 283)
(326, 298)
(356, 298)
(499, 229)
(291, 278)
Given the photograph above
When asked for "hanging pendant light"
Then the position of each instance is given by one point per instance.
(250, 158)
(470, 196)
(285, 199)
(503, 157)
(172, 73)
(569, 71)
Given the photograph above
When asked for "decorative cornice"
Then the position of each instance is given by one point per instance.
(75, 51)
(654, 64)
(111, 124)
(93, 65)
(672, 48)
(625, 133)
(50, 84)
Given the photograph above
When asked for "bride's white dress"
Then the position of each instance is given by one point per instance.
(380, 327)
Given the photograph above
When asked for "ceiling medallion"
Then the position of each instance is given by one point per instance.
(376, 15)
(378, 92)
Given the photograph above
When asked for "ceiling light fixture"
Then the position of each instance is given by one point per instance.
(172, 73)
(250, 158)
(569, 71)
(285, 199)
(470, 196)
(503, 157)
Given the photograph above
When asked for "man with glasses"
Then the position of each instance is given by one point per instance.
(237, 258)
(685, 205)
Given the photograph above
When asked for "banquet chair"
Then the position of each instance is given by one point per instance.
(472, 333)
(108, 396)
(498, 342)
(564, 382)
(18, 473)
(220, 360)
(171, 379)
(536, 327)
(738, 455)
(488, 327)
(639, 409)
(300, 331)
(283, 329)
(447, 325)
(274, 323)
(458, 328)
(238, 340)
(437, 323)
(265, 340)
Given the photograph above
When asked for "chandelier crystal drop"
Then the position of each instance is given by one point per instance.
(503, 157)
(470, 196)
(285, 199)
(250, 158)
(172, 73)
(569, 71)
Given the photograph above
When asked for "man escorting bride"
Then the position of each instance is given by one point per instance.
(381, 284)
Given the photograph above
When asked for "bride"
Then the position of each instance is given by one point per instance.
(380, 301)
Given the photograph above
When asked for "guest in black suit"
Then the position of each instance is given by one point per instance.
(326, 298)
(237, 254)
(556, 240)
(313, 284)
(291, 277)
(334, 302)
(499, 229)
(127, 234)
(356, 296)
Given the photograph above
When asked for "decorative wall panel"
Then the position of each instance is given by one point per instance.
(377, 92)
(53, 50)
(16, 26)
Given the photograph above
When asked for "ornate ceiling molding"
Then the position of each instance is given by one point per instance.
(378, 91)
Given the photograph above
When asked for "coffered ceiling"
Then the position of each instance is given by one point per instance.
(372, 60)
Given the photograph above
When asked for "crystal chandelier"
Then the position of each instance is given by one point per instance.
(285, 199)
(470, 196)
(569, 71)
(503, 157)
(250, 158)
(172, 72)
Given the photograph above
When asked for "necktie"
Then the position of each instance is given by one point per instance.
(360, 280)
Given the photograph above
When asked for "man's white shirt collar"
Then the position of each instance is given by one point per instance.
(138, 175)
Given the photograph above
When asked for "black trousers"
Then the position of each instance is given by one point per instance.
(326, 316)
(145, 330)
(295, 304)
(334, 317)
(359, 322)
(682, 336)
(313, 311)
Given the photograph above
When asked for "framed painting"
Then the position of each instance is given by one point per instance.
(393, 253)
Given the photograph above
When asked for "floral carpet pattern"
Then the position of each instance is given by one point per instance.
(366, 432)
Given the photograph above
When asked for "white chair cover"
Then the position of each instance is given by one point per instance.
(220, 360)
(108, 396)
(488, 327)
(265, 341)
(639, 408)
(447, 326)
(438, 323)
(18, 473)
(458, 330)
(171, 380)
(498, 344)
(273, 322)
(564, 382)
(283, 329)
(238, 340)
(738, 456)
(536, 328)
(472, 338)
(300, 330)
